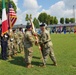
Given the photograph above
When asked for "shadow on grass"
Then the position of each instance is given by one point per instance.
(21, 62)
(17, 61)
(36, 63)
(0, 56)
(36, 57)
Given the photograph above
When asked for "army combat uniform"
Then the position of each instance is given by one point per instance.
(15, 46)
(46, 46)
(28, 44)
(20, 41)
(10, 45)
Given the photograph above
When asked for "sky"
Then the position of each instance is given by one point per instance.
(58, 8)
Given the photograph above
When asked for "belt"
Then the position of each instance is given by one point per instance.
(47, 41)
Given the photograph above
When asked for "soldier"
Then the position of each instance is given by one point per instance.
(28, 44)
(15, 46)
(46, 45)
(10, 44)
(20, 40)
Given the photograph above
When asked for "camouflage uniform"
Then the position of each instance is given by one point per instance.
(46, 46)
(10, 45)
(28, 44)
(15, 46)
(20, 41)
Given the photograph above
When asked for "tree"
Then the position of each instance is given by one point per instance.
(6, 3)
(36, 22)
(27, 18)
(48, 20)
(67, 20)
(55, 20)
(72, 20)
(62, 20)
(42, 17)
(52, 20)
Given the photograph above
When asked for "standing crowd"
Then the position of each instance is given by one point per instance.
(17, 41)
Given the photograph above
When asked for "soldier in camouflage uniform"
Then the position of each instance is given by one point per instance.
(46, 45)
(28, 44)
(10, 44)
(20, 40)
(15, 46)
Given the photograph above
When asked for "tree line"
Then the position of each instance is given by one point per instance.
(49, 20)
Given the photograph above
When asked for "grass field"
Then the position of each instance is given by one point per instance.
(65, 52)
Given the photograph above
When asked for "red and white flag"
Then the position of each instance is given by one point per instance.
(12, 16)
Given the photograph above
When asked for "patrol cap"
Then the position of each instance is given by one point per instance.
(42, 25)
(28, 26)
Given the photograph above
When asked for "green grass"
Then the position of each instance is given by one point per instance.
(65, 52)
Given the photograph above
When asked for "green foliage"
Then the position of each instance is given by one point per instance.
(55, 20)
(72, 20)
(27, 18)
(52, 20)
(36, 23)
(48, 19)
(42, 17)
(6, 4)
(67, 20)
(62, 20)
(65, 52)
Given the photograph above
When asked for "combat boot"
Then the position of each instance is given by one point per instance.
(42, 65)
(29, 65)
(10, 57)
(55, 64)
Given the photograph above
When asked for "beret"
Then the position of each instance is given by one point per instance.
(42, 25)
(28, 26)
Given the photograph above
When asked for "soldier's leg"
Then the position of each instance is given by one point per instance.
(20, 47)
(10, 51)
(5, 50)
(45, 53)
(16, 49)
(52, 56)
(29, 57)
(26, 54)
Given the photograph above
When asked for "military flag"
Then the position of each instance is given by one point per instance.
(11, 16)
(4, 19)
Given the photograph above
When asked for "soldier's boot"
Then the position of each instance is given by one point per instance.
(55, 64)
(22, 52)
(42, 65)
(10, 57)
(29, 65)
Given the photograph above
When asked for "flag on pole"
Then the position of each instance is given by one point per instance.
(4, 19)
(12, 16)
